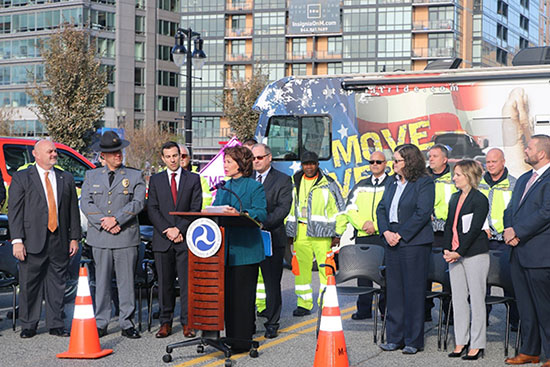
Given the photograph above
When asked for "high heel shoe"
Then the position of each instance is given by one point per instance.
(464, 350)
(480, 353)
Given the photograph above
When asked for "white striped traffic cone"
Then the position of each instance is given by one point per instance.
(331, 346)
(84, 343)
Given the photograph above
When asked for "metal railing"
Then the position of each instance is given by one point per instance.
(430, 53)
(433, 25)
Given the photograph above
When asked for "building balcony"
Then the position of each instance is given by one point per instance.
(238, 57)
(300, 55)
(433, 26)
(328, 55)
(239, 33)
(235, 5)
(433, 2)
(433, 53)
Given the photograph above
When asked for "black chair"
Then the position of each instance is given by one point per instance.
(362, 261)
(9, 275)
(439, 273)
(500, 276)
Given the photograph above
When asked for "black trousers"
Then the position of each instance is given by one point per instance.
(240, 298)
(43, 276)
(169, 264)
(272, 272)
(532, 289)
(364, 302)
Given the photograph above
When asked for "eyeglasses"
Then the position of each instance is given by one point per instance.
(376, 162)
(398, 160)
(260, 157)
(184, 156)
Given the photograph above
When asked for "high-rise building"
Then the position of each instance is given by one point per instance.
(309, 37)
(133, 38)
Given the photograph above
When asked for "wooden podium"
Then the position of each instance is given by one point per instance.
(206, 293)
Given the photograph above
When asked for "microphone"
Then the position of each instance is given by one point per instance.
(221, 186)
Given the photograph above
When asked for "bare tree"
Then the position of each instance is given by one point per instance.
(144, 150)
(237, 103)
(6, 121)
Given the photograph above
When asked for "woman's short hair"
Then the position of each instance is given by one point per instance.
(244, 158)
(472, 170)
(414, 163)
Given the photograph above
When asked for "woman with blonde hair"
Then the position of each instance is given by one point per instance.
(466, 249)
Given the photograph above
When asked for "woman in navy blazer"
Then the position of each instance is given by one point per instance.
(244, 247)
(404, 220)
(466, 249)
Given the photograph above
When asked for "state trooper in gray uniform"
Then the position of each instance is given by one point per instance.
(112, 197)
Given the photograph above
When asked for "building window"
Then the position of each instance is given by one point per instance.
(502, 32)
(167, 78)
(299, 47)
(110, 99)
(138, 124)
(106, 47)
(502, 56)
(334, 68)
(394, 45)
(165, 103)
(140, 51)
(359, 20)
(102, 20)
(139, 100)
(269, 48)
(269, 23)
(524, 22)
(169, 5)
(140, 24)
(502, 8)
(169, 126)
(523, 43)
(237, 72)
(140, 4)
(238, 22)
(167, 28)
(210, 25)
(334, 45)
(238, 48)
(274, 71)
(394, 18)
(359, 46)
(440, 45)
(524, 3)
(110, 71)
(299, 69)
(165, 53)
(139, 77)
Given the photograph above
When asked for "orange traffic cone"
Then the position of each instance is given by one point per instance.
(84, 343)
(331, 347)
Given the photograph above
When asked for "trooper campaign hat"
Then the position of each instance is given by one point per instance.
(110, 142)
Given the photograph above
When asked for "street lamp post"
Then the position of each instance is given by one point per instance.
(181, 56)
(120, 118)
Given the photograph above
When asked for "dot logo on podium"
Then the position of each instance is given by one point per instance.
(204, 237)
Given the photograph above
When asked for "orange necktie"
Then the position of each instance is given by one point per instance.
(52, 207)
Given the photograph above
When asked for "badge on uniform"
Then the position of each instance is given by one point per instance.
(125, 182)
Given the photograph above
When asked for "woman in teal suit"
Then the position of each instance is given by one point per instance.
(244, 246)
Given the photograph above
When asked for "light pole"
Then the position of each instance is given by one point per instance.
(120, 118)
(181, 56)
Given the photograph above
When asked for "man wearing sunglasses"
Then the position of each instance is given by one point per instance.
(278, 193)
(360, 212)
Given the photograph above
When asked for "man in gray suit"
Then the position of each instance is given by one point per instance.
(112, 197)
(45, 229)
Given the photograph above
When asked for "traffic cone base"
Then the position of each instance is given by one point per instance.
(331, 348)
(84, 343)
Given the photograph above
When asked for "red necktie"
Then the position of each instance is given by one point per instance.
(174, 187)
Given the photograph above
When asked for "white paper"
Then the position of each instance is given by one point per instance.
(216, 209)
(467, 222)
(485, 225)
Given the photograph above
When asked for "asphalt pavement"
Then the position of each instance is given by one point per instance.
(295, 345)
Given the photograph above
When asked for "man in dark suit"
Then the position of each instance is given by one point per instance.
(177, 190)
(527, 230)
(278, 193)
(44, 224)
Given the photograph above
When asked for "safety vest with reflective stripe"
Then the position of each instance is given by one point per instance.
(206, 193)
(444, 188)
(499, 196)
(361, 206)
(323, 205)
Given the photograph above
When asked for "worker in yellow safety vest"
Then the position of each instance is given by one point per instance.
(185, 163)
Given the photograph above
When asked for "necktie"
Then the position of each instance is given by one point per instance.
(259, 178)
(174, 187)
(52, 207)
(375, 182)
(529, 184)
(111, 177)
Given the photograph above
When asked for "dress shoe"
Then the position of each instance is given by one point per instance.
(411, 350)
(271, 332)
(188, 332)
(131, 333)
(522, 359)
(59, 331)
(262, 314)
(474, 357)
(361, 316)
(460, 353)
(101, 332)
(390, 347)
(300, 312)
(27, 333)
(164, 331)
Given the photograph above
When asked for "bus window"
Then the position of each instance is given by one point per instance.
(283, 137)
(287, 136)
(72, 165)
(316, 135)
